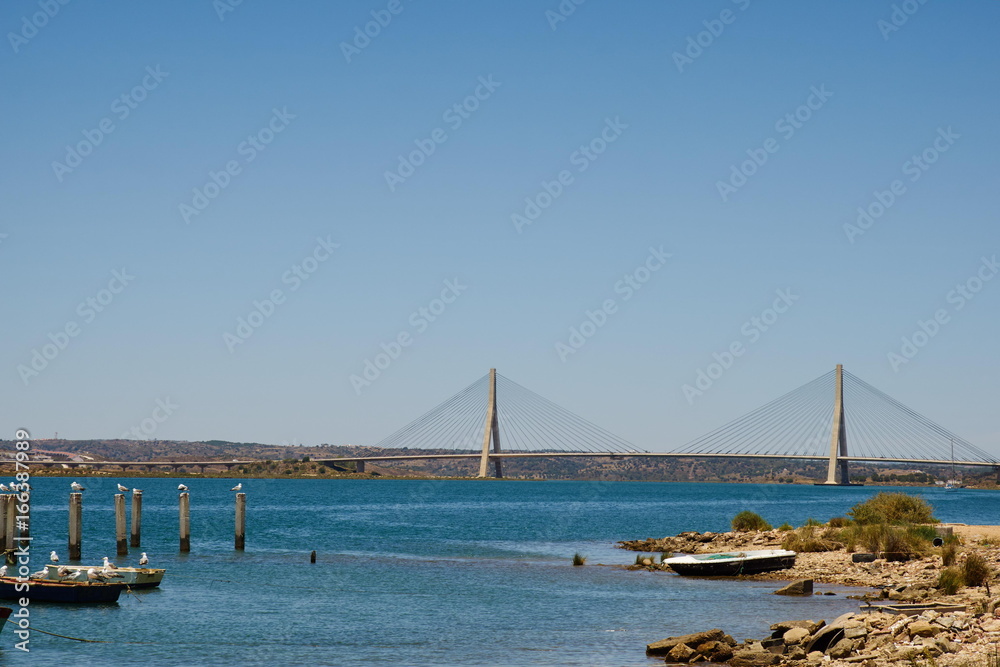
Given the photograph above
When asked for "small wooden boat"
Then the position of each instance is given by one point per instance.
(43, 590)
(133, 577)
(732, 563)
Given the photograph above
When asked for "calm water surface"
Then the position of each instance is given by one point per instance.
(420, 573)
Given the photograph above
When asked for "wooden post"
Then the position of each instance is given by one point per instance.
(185, 516)
(120, 540)
(11, 505)
(312, 556)
(75, 524)
(241, 521)
(136, 539)
(3, 521)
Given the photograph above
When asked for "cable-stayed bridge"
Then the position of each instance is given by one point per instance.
(495, 419)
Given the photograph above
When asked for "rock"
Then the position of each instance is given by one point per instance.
(992, 625)
(945, 645)
(664, 646)
(726, 639)
(800, 587)
(716, 651)
(855, 633)
(784, 626)
(680, 653)
(922, 629)
(795, 653)
(754, 659)
(815, 656)
(842, 649)
(862, 558)
(795, 636)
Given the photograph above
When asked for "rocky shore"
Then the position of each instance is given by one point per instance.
(964, 629)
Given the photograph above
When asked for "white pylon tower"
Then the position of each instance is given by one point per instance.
(491, 432)
(838, 436)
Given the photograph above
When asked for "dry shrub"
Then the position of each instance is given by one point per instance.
(975, 570)
(893, 508)
(805, 540)
(949, 553)
(950, 580)
(747, 521)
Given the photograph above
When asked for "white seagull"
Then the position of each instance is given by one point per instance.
(108, 565)
(3, 487)
(237, 487)
(64, 572)
(122, 488)
(144, 560)
(82, 574)
(93, 575)
(137, 491)
(54, 557)
(3, 571)
(77, 487)
(182, 487)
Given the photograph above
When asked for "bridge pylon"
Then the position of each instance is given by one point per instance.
(491, 432)
(838, 437)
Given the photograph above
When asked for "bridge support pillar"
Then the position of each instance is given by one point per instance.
(491, 431)
(359, 466)
(838, 436)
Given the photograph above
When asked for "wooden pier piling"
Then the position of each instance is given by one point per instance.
(75, 525)
(312, 556)
(241, 521)
(3, 521)
(10, 503)
(185, 521)
(136, 539)
(120, 533)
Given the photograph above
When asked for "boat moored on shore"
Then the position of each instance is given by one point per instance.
(731, 563)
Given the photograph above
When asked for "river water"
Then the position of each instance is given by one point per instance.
(420, 572)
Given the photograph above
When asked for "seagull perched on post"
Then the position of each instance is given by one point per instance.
(182, 487)
(77, 487)
(237, 487)
(144, 560)
(137, 492)
(122, 488)
(54, 557)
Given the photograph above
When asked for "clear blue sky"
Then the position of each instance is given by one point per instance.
(678, 127)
